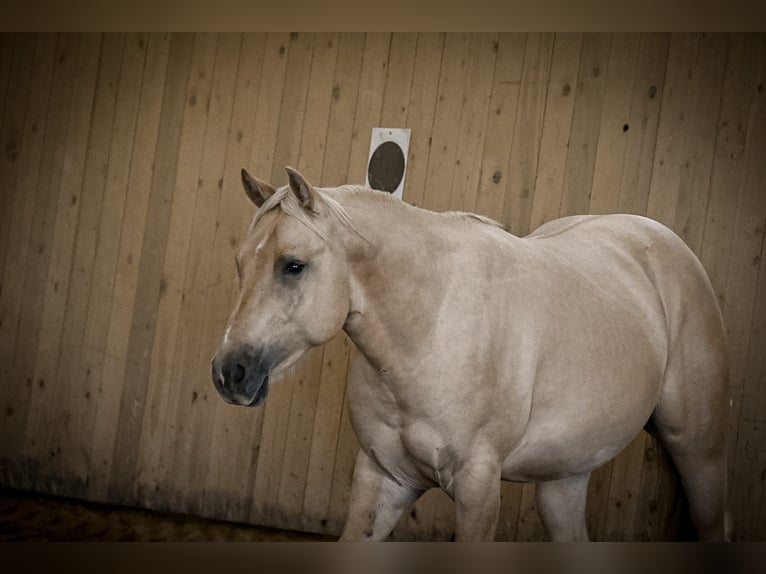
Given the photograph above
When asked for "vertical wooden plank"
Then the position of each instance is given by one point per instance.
(148, 276)
(213, 232)
(8, 43)
(744, 328)
(557, 124)
(525, 149)
(612, 140)
(449, 106)
(690, 100)
(16, 59)
(13, 51)
(329, 410)
(294, 95)
(306, 380)
(38, 256)
(23, 147)
(396, 94)
(276, 409)
(644, 112)
(473, 122)
(702, 113)
(15, 109)
(586, 124)
(501, 125)
(46, 416)
(81, 399)
(123, 295)
(663, 191)
(269, 112)
(750, 461)
(165, 394)
(96, 324)
(227, 487)
(369, 102)
(191, 443)
(420, 113)
(751, 436)
(342, 107)
(728, 160)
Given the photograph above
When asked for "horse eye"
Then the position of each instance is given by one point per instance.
(293, 267)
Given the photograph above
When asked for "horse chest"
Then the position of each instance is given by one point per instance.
(416, 453)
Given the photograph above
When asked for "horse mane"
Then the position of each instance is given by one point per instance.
(289, 204)
(475, 217)
(384, 197)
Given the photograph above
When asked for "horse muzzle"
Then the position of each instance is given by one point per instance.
(241, 376)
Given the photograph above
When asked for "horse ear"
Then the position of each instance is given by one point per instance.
(258, 191)
(302, 189)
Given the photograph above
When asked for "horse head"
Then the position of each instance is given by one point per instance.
(294, 287)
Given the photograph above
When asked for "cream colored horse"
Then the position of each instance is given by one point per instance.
(485, 356)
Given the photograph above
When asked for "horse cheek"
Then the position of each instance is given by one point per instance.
(326, 320)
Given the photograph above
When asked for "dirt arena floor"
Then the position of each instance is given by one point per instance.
(30, 517)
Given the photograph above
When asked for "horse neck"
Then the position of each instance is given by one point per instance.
(397, 277)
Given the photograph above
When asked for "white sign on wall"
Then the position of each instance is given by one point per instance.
(387, 160)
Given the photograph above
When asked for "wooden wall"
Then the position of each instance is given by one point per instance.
(120, 207)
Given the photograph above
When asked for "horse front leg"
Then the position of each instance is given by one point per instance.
(377, 502)
(561, 504)
(477, 501)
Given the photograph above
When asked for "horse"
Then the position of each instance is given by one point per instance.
(484, 356)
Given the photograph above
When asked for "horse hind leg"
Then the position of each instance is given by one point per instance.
(691, 421)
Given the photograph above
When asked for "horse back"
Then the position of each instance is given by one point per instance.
(624, 248)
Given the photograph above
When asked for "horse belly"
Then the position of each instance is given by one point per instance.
(588, 404)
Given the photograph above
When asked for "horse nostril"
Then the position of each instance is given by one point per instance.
(239, 374)
(217, 374)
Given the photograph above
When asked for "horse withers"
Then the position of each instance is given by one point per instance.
(485, 356)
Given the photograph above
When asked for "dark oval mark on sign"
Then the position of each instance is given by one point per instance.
(386, 169)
